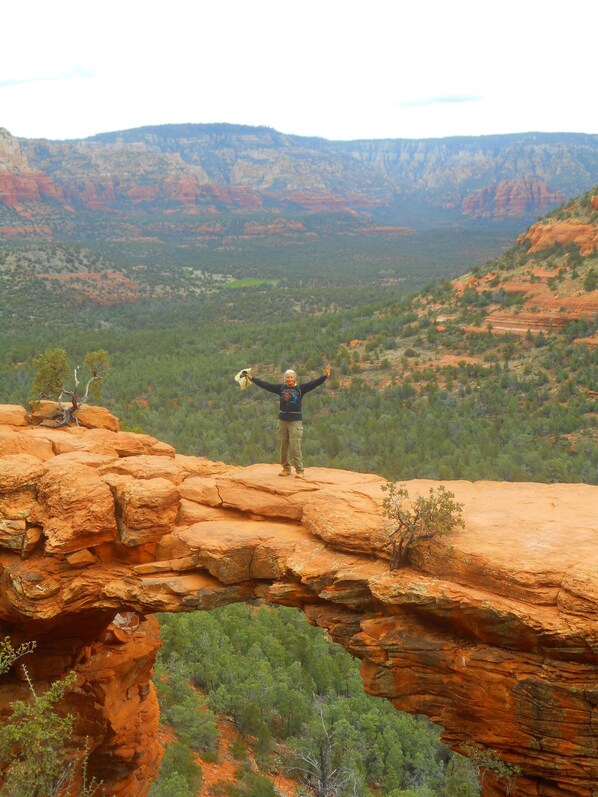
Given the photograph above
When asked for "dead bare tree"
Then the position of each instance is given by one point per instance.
(322, 768)
(52, 380)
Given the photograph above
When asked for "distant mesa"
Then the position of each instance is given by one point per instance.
(511, 198)
(215, 168)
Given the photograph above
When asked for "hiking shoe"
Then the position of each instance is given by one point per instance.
(285, 473)
(300, 475)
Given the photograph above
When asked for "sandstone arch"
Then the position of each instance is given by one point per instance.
(493, 635)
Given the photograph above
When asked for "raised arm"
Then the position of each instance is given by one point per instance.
(316, 382)
(265, 385)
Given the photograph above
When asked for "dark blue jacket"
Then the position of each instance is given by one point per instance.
(290, 397)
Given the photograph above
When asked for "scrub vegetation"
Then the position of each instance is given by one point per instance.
(297, 700)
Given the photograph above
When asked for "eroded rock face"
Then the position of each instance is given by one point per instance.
(493, 632)
(203, 168)
(510, 198)
(543, 235)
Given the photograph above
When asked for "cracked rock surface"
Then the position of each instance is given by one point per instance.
(492, 632)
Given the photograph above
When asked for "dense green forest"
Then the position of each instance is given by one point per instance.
(523, 410)
(298, 700)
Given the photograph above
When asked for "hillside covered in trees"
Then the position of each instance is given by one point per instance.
(491, 376)
(298, 702)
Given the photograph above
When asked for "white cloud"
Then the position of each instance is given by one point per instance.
(450, 99)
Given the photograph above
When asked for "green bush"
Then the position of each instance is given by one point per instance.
(174, 785)
(411, 521)
(33, 739)
(590, 282)
(178, 770)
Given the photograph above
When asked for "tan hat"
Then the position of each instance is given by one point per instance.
(242, 379)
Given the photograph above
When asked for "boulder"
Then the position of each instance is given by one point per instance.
(77, 509)
(13, 415)
(97, 418)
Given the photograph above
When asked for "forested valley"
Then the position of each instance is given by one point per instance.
(507, 408)
(421, 387)
(300, 700)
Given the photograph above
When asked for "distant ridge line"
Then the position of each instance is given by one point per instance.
(215, 128)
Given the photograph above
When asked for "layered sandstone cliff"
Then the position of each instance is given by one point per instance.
(193, 168)
(20, 184)
(493, 632)
(514, 198)
(547, 233)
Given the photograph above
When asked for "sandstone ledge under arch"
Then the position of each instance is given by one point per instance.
(493, 633)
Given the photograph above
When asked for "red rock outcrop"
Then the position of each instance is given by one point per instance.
(510, 198)
(19, 183)
(543, 235)
(326, 202)
(493, 632)
(542, 309)
(104, 193)
(278, 227)
(15, 190)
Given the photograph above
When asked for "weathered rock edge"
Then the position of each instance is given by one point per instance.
(493, 633)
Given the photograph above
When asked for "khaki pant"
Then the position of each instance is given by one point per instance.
(290, 434)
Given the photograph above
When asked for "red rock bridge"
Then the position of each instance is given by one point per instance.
(492, 632)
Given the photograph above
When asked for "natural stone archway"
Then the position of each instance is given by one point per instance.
(493, 633)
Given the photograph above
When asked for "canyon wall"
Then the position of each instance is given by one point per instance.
(210, 168)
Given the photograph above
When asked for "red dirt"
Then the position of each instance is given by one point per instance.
(106, 287)
(223, 770)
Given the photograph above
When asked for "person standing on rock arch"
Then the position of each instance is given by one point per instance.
(290, 420)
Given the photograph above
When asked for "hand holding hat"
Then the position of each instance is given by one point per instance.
(244, 378)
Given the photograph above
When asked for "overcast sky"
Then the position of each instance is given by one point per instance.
(340, 69)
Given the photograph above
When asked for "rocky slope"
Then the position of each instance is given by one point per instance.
(528, 309)
(492, 632)
(550, 271)
(208, 168)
